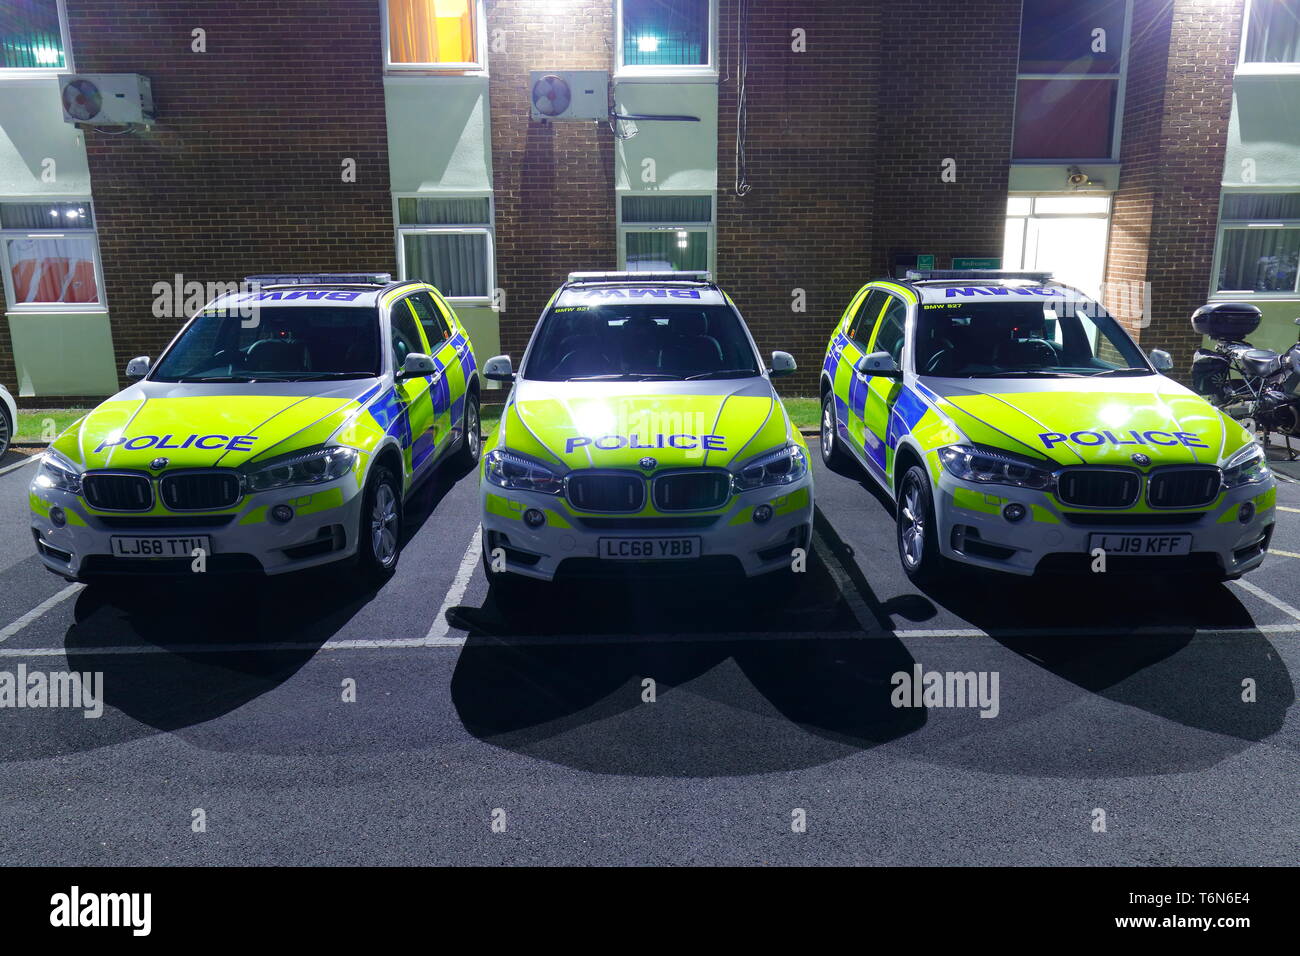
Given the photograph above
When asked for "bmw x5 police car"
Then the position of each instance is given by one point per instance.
(282, 428)
(643, 429)
(1019, 428)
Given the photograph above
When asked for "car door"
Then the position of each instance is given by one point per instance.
(880, 392)
(448, 387)
(860, 329)
(415, 392)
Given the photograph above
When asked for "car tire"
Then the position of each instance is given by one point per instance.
(833, 456)
(471, 434)
(917, 530)
(379, 542)
(6, 430)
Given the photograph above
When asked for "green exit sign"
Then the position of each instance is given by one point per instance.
(925, 262)
(970, 262)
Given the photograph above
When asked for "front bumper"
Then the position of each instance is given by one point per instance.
(973, 530)
(569, 541)
(323, 530)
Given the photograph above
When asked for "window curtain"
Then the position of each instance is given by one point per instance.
(430, 31)
(1274, 32)
(29, 35)
(456, 265)
(1261, 260)
(1255, 207)
(53, 269)
(45, 215)
(670, 209)
(665, 251)
(443, 212)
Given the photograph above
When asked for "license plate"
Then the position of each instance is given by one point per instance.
(160, 547)
(1145, 544)
(649, 549)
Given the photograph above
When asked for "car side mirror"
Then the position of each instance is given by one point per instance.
(782, 364)
(1297, 321)
(1161, 360)
(138, 367)
(499, 369)
(416, 364)
(880, 364)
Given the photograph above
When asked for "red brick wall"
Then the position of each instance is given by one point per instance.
(553, 182)
(845, 147)
(1177, 105)
(242, 174)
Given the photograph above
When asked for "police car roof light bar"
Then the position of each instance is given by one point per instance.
(321, 278)
(705, 278)
(924, 275)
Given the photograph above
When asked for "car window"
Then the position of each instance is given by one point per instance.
(893, 326)
(285, 344)
(864, 320)
(613, 341)
(990, 339)
(431, 317)
(405, 334)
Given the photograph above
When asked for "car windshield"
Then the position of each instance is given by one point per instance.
(1030, 339)
(302, 343)
(610, 341)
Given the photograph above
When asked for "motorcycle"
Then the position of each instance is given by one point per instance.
(1258, 387)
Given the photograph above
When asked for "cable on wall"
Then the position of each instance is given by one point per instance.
(742, 186)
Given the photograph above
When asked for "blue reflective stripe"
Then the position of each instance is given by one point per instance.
(389, 412)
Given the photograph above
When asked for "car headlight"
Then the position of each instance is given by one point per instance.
(1247, 467)
(58, 473)
(517, 473)
(301, 468)
(994, 467)
(783, 466)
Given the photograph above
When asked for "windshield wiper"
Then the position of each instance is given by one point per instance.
(318, 376)
(1122, 371)
(1031, 373)
(215, 378)
(724, 373)
(622, 376)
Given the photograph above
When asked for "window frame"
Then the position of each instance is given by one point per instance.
(1242, 225)
(12, 305)
(1255, 67)
(707, 70)
(1120, 77)
(401, 230)
(477, 68)
(30, 72)
(710, 228)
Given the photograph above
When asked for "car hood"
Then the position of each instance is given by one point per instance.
(616, 424)
(205, 426)
(1089, 421)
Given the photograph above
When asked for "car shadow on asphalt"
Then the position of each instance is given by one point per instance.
(747, 676)
(153, 640)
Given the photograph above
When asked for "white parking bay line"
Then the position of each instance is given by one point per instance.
(8, 468)
(440, 629)
(1268, 598)
(11, 629)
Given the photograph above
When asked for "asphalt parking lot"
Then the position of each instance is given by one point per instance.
(226, 697)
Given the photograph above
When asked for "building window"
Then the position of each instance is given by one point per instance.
(660, 233)
(50, 256)
(1061, 234)
(447, 242)
(434, 34)
(666, 35)
(1259, 244)
(32, 35)
(1070, 86)
(1272, 32)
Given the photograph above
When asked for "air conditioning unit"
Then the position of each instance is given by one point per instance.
(106, 99)
(569, 94)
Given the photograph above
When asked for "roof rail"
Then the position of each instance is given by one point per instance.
(926, 275)
(577, 278)
(321, 278)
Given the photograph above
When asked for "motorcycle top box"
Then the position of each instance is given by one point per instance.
(1226, 321)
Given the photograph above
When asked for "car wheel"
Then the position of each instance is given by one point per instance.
(471, 435)
(380, 534)
(6, 430)
(918, 532)
(833, 456)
